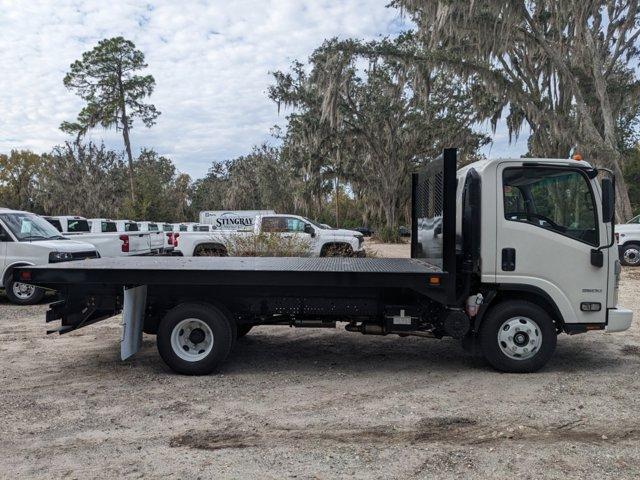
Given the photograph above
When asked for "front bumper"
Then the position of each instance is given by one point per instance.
(618, 320)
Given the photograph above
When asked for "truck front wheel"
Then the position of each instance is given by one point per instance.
(194, 338)
(630, 255)
(518, 336)
(22, 293)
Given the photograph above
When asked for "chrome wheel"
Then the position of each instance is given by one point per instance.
(631, 256)
(519, 338)
(192, 339)
(23, 291)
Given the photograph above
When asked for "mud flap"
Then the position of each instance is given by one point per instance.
(135, 300)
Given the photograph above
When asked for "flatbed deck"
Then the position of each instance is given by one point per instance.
(361, 272)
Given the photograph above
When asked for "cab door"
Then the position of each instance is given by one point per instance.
(547, 225)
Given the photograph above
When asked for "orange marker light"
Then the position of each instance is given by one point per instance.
(434, 280)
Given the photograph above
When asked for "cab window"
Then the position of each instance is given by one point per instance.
(75, 226)
(559, 200)
(153, 227)
(274, 224)
(131, 227)
(108, 227)
(635, 219)
(295, 225)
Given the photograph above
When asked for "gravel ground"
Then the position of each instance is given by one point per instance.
(315, 405)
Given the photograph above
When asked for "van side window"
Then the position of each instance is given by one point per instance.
(555, 199)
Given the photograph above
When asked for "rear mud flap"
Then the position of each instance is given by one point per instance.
(135, 301)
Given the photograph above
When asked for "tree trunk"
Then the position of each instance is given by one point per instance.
(337, 202)
(127, 144)
(125, 135)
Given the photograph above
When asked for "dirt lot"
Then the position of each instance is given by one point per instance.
(315, 404)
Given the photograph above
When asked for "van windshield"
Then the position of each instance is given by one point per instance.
(29, 227)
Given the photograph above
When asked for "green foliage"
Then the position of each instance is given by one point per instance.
(18, 180)
(161, 193)
(105, 79)
(387, 235)
(632, 176)
(86, 180)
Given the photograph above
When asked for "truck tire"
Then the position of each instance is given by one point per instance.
(243, 330)
(194, 338)
(23, 294)
(630, 255)
(518, 337)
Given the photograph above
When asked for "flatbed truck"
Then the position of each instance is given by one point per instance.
(506, 255)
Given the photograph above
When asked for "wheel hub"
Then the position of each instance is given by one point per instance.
(520, 338)
(196, 336)
(632, 256)
(22, 290)
(192, 339)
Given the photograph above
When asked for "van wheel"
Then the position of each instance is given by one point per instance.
(23, 294)
(194, 338)
(518, 336)
(630, 255)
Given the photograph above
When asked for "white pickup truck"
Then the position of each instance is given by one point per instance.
(27, 239)
(157, 236)
(628, 236)
(323, 242)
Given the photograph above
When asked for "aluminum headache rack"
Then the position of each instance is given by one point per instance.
(433, 215)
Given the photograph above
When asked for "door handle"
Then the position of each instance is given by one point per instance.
(508, 259)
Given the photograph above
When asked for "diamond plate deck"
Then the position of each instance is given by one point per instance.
(256, 264)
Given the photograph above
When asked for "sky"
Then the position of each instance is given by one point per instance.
(211, 61)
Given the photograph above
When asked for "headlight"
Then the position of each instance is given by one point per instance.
(56, 257)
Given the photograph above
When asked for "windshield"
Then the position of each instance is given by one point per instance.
(29, 227)
(316, 224)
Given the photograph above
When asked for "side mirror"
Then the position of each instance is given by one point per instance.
(608, 200)
(309, 229)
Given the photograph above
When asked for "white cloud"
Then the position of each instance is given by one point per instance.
(211, 61)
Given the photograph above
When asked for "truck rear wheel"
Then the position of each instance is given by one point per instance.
(22, 293)
(518, 336)
(630, 255)
(194, 338)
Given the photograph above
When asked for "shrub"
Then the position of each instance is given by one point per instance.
(387, 235)
(266, 245)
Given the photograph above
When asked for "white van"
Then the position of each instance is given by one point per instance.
(28, 239)
(232, 219)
